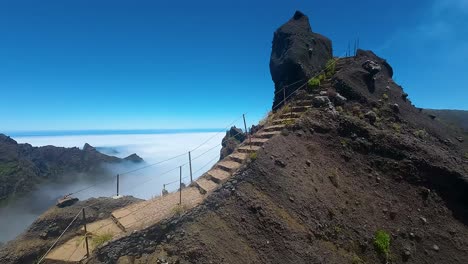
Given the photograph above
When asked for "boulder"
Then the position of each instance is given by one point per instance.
(372, 67)
(297, 55)
(339, 99)
(320, 101)
(371, 116)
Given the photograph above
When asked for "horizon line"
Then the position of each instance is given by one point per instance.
(86, 132)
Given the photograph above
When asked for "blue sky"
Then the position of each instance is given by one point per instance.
(200, 64)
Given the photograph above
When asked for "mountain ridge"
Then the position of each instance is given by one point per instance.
(23, 167)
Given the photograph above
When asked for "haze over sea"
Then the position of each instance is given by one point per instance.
(151, 145)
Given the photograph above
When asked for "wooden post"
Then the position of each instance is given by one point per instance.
(180, 186)
(86, 233)
(190, 165)
(118, 178)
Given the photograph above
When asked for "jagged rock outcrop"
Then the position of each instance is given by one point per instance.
(297, 54)
(22, 166)
(134, 158)
(233, 138)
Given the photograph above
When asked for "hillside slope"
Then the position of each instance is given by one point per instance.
(454, 118)
(321, 191)
(22, 166)
(362, 177)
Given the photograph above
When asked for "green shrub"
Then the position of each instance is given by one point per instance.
(382, 243)
(253, 156)
(313, 83)
(420, 133)
(466, 155)
(385, 96)
(98, 240)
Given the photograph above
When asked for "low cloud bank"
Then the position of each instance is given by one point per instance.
(145, 183)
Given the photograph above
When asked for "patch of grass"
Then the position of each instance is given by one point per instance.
(253, 156)
(421, 133)
(179, 209)
(268, 117)
(385, 97)
(382, 243)
(339, 109)
(288, 122)
(396, 127)
(330, 67)
(344, 143)
(466, 155)
(357, 260)
(98, 240)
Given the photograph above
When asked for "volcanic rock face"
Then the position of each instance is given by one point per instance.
(297, 54)
(233, 138)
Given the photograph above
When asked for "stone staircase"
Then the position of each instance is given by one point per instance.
(146, 213)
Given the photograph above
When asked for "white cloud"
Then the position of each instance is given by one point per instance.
(144, 184)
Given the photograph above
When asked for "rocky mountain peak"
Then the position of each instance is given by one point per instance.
(7, 140)
(87, 147)
(134, 158)
(297, 54)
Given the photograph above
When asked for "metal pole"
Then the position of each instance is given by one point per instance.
(245, 129)
(86, 233)
(190, 165)
(118, 179)
(284, 95)
(180, 186)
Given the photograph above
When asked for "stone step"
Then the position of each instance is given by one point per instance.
(300, 109)
(290, 114)
(205, 185)
(284, 121)
(238, 157)
(303, 102)
(255, 141)
(274, 128)
(218, 175)
(248, 149)
(267, 134)
(228, 165)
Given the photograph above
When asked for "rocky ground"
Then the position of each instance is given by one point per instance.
(29, 247)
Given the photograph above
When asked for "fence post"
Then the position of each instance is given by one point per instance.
(246, 132)
(284, 95)
(86, 233)
(180, 185)
(190, 165)
(118, 179)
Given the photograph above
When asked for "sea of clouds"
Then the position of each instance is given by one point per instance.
(145, 183)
